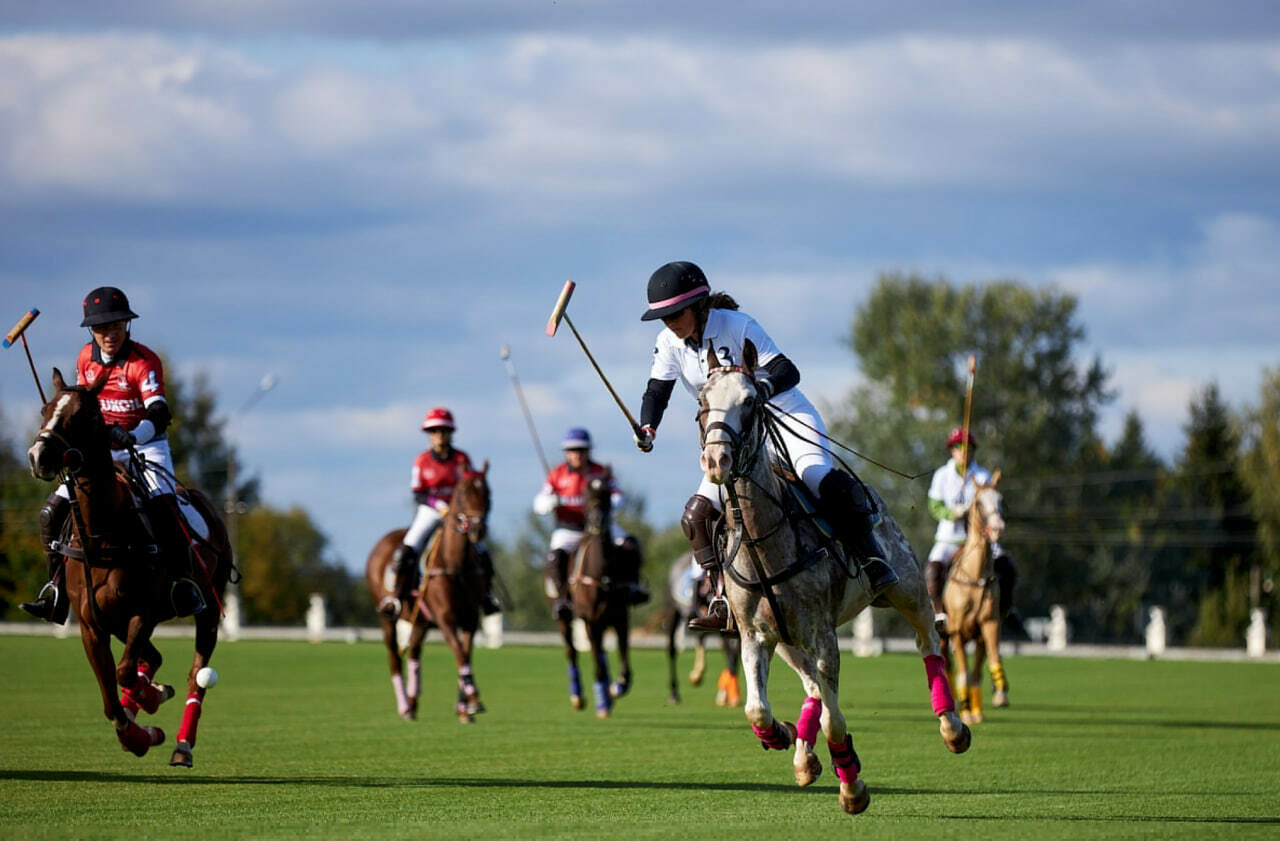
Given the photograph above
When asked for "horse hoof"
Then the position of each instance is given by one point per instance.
(475, 708)
(673, 699)
(465, 718)
(855, 798)
(957, 741)
(138, 739)
(181, 755)
(602, 714)
(408, 715)
(808, 772)
(1000, 699)
(575, 701)
(722, 698)
(618, 689)
(695, 678)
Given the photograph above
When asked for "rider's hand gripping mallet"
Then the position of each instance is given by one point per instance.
(524, 407)
(20, 329)
(557, 315)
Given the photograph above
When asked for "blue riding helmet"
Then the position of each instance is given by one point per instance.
(576, 438)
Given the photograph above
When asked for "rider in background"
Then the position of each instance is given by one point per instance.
(564, 495)
(950, 495)
(134, 407)
(695, 319)
(435, 475)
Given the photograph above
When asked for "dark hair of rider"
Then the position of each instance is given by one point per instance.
(720, 301)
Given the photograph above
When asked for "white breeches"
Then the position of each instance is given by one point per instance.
(942, 553)
(425, 521)
(568, 539)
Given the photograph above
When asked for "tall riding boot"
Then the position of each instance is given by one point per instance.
(1007, 575)
(52, 603)
(846, 506)
(935, 579)
(556, 583)
(629, 550)
(489, 603)
(698, 523)
(185, 592)
(405, 570)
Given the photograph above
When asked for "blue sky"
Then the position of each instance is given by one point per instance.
(368, 200)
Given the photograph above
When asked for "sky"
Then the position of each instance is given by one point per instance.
(367, 201)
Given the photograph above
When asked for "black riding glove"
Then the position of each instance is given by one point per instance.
(120, 438)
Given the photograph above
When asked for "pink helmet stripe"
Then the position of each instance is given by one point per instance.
(681, 297)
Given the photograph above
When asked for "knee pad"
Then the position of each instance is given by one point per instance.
(52, 513)
(935, 578)
(698, 523)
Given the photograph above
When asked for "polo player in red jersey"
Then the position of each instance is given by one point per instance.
(137, 414)
(436, 472)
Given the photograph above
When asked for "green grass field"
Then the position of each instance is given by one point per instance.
(302, 741)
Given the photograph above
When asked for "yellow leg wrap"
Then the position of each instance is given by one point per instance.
(998, 679)
(975, 699)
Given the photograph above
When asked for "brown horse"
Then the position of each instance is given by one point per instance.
(790, 590)
(449, 597)
(600, 598)
(972, 600)
(687, 598)
(112, 577)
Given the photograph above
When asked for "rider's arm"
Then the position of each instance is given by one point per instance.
(546, 500)
(939, 510)
(155, 423)
(780, 375)
(654, 403)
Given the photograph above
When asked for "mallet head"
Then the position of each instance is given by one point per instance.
(21, 326)
(566, 293)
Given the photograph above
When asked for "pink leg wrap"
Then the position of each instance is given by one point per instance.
(845, 760)
(939, 689)
(810, 717)
(774, 737)
(415, 678)
(191, 718)
(402, 700)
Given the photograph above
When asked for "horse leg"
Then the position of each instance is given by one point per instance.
(733, 688)
(206, 640)
(919, 612)
(622, 627)
(474, 705)
(134, 673)
(413, 687)
(467, 706)
(807, 765)
(673, 622)
(97, 647)
(604, 703)
(699, 661)
(991, 635)
(975, 682)
(571, 655)
(773, 734)
(396, 665)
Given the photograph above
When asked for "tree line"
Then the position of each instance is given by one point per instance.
(1108, 529)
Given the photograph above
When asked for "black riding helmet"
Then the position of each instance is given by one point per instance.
(674, 287)
(105, 305)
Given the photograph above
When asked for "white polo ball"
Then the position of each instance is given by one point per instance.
(206, 678)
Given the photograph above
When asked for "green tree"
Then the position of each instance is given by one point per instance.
(22, 564)
(1260, 470)
(1034, 411)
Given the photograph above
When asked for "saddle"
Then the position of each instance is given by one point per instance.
(131, 537)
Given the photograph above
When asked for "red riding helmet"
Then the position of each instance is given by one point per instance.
(957, 437)
(438, 418)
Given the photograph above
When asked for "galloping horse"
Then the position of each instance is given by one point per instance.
(112, 578)
(600, 600)
(972, 601)
(791, 596)
(449, 597)
(686, 599)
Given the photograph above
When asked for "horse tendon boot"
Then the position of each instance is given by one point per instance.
(166, 521)
(52, 603)
(845, 505)
(698, 524)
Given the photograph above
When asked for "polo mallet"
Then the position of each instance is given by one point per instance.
(557, 315)
(524, 407)
(20, 330)
(968, 405)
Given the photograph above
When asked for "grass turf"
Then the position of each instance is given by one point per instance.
(302, 741)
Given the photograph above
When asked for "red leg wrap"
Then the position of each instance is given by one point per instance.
(810, 718)
(775, 737)
(191, 718)
(845, 760)
(939, 689)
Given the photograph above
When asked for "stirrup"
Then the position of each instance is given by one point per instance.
(50, 604)
(190, 607)
(714, 620)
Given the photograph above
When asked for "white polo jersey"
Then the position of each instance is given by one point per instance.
(727, 331)
(948, 487)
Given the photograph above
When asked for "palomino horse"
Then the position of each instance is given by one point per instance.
(786, 595)
(972, 602)
(449, 597)
(601, 599)
(687, 598)
(112, 577)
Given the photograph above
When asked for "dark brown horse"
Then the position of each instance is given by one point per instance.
(687, 598)
(448, 599)
(599, 595)
(113, 580)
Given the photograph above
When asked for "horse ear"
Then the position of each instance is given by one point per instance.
(995, 478)
(713, 361)
(749, 355)
(484, 468)
(58, 383)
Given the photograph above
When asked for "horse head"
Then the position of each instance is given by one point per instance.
(598, 504)
(471, 503)
(989, 504)
(730, 394)
(70, 425)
